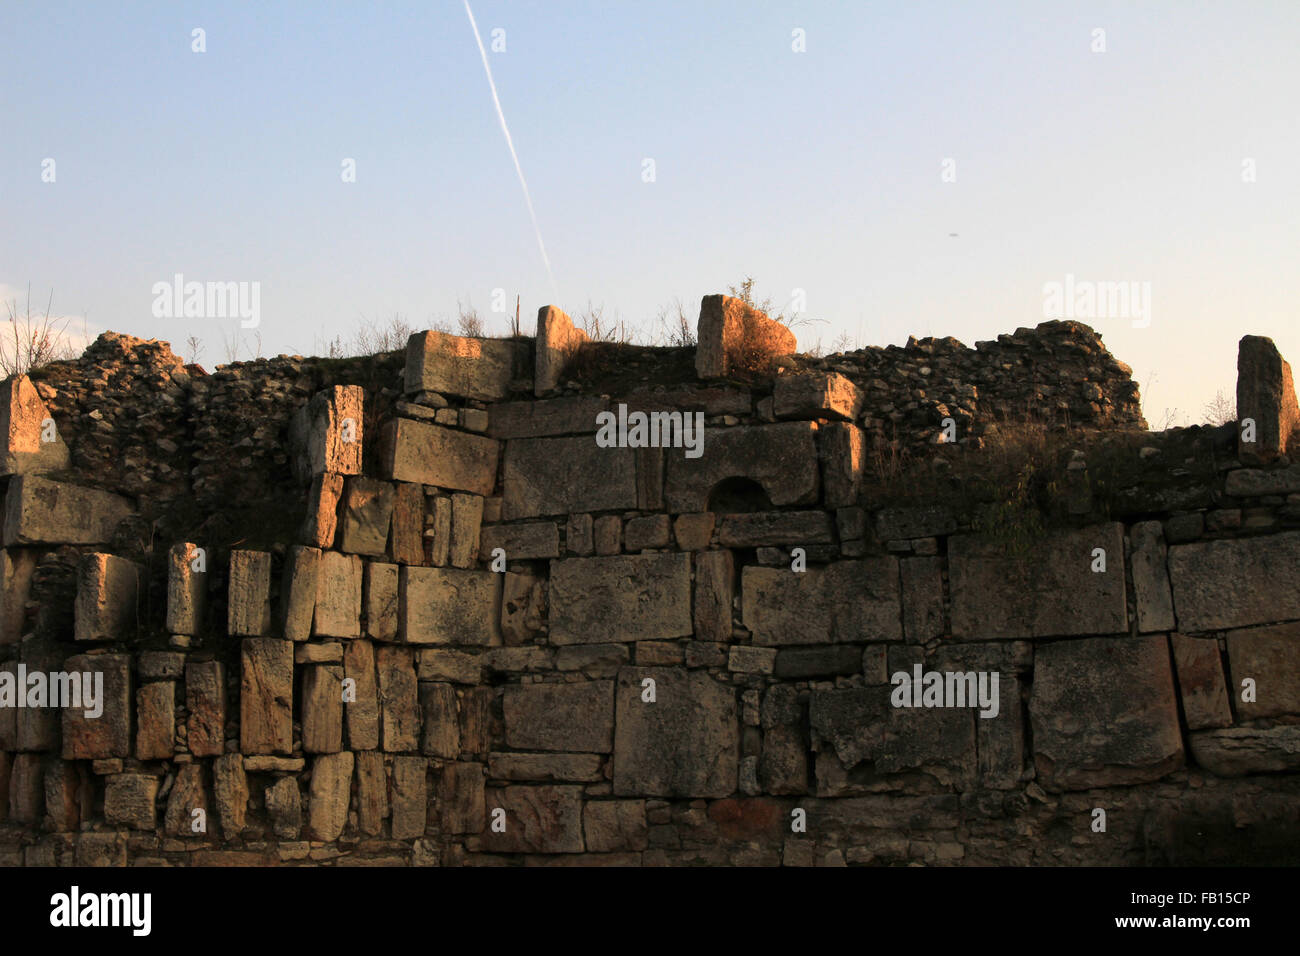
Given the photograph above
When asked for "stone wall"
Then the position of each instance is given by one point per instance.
(419, 610)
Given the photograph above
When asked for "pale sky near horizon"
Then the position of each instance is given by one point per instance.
(821, 170)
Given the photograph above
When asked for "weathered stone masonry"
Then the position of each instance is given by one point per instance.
(285, 574)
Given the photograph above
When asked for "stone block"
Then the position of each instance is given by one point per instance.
(249, 610)
(921, 580)
(556, 416)
(108, 589)
(620, 598)
(693, 532)
(608, 534)
(322, 709)
(843, 450)
(1231, 583)
(372, 792)
(32, 441)
(1104, 713)
(613, 826)
(816, 395)
(775, 527)
(685, 744)
(466, 519)
(578, 535)
(266, 696)
(1266, 396)
(410, 799)
(441, 725)
(1201, 682)
(327, 433)
(187, 588)
(560, 476)
(381, 590)
(130, 799)
(461, 798)
(367, 516)
(338, 595)
(361, 709)
(284, 807)
(408, 523)
(230, 794)
(41, 511)
(329, 798)
(399, 704)
(449, 606)
(557, 768)
(91, 736)
(17, 566)
(1155, 604)
(322, 518)
(575, 718)
(298, 591)
(187, 795)
(155, 717)
(557, 340)
(732, 336)
(1270, 656)
(647, 533)
(523, 607)
(475, 368)
(1049, 591)
(847, 601)
(205, 701)
(780, 459)
(544, 819)
(1239, 751)
(442, 457)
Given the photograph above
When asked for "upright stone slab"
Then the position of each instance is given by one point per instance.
(846, 601)
(33, 444)
(398, 699)
(1232, 583)
(17, 566)
(381, 600)
(461, 798)
(732, 335)
(331, 787)
(685, 744)
(322, 517)
(449, 606)
(408, 523)
(205, 699)
(481, 369)
(1155, 605)
(558, 476)
(107, 594)
(362, 711)
(1104, 713)
(372, 792)
(441, 728)
(187, 588)
(298, 591)
(322, 709)
(338, 595)
(410, 802)
(576, 718)
(249, 611)
(327, 433)
(1049, 591)
(557, 340)
(230, 790)
(155, 717)
(1201, 682)
(91, 736)
(780, 459)
(466, 519)
(620, 598)
(266, 696)
(843, 450)
(433, 455)
(41, 511)
(1265, 396)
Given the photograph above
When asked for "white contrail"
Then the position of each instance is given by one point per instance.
(511, 143)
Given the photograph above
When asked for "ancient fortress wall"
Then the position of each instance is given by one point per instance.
(420, 609)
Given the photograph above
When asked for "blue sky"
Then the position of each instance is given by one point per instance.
(818, 171)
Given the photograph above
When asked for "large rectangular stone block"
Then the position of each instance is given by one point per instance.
(441, 726)
(1201, 682)
(381, 600)
(367, 516)
(326, 434)
(107, 734)
(787, 528)
(266, 696)
(1155, 605)
(556, 416)
(1265, 396)
(481, 369)
(1103, 713)
(298, 591)
(733, 336)
(449, 606)
(781, 459)
(533, 539)
(685, 744)
(399, 701)
(843, 449)
(556, 476)
(41, 511)
(408, 523)
(847, 601)
(108, 589)
(433, 455)
(331, 791)
(620, 598)
(461, 798)
(576, 718)
(17, 565)
(715, 585)
(816, 395)
(557, 340)
(322, 709)
(32, 444)
(155, 718)
(1052, 590)
(410, 802)
(1233, 583)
